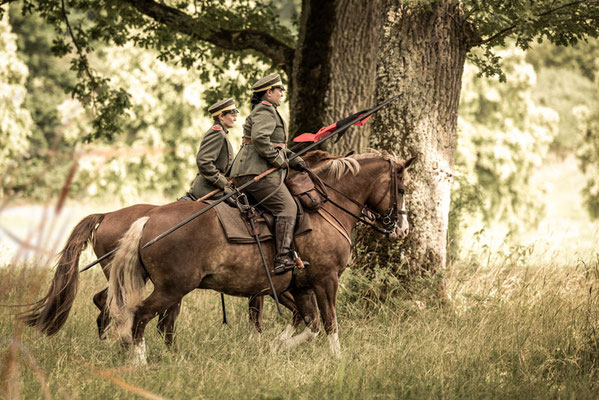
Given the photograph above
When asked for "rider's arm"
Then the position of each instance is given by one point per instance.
(209, 151)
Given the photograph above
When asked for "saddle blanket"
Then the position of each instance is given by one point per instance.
(237, 231)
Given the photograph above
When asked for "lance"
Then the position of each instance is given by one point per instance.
(339, 131)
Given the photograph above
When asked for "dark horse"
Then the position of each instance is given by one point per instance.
(177, 265)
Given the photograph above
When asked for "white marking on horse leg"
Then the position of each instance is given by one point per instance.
(305, 336)
(139, 353)
(334, 344)
(287, 333)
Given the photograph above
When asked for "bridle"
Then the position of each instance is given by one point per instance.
(390, 218)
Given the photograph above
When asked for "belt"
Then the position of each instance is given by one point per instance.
(247, 140)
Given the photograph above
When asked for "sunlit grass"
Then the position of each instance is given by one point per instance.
(512, 328)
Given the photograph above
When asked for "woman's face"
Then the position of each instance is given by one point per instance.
(228, 119)
(274, 96)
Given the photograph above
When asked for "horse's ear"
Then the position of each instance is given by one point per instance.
(349, 154)
(408, 162)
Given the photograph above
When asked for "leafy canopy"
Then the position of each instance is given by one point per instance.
(207, 36)
(251, 37)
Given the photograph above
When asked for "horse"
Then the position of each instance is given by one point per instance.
(106, 236)
(103, 231)
(371, 181)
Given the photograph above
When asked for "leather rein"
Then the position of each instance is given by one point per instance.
(389, 219)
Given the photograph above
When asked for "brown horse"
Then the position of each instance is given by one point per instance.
(104, 232)
(177, 265)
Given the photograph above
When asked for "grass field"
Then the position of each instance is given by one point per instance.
(522, 321)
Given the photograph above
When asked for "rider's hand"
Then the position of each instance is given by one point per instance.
(228, 189)
(299, 165)
(230, 200)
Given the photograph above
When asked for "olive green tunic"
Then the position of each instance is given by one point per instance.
(214, 159)
(264, 127)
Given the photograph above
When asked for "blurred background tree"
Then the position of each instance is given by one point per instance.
(503, 135)
(15, 119)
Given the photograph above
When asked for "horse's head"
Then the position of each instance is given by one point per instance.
(386, 181)
(387, 196)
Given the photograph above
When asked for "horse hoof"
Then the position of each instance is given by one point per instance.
(139, 354)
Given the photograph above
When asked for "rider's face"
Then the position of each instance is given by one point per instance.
(275, 95)
(228, 119)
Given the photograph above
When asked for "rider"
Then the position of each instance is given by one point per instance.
(264, 138)
(215, 155)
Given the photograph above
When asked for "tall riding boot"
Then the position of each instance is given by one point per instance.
(284, 232)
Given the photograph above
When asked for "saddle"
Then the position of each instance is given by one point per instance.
(309, 193)
(237, 230)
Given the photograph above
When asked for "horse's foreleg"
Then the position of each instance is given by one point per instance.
(157, 303)
(166, 324)
(307, 308)
(326, 296)
(103, 317)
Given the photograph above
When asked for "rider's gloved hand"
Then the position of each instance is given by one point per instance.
(231, 200)
(299, 165)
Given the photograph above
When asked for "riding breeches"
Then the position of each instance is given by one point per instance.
(271, 193)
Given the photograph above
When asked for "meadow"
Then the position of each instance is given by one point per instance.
(520, 321)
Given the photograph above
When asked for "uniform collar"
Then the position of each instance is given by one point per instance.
(219, 127)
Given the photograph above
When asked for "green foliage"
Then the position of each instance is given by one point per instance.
(183, 33)
(589, 159)
(561, 22)
(503, 134)
(565, 82)
(565, 90)
(580, 58)
(165, 122)
(15, 120)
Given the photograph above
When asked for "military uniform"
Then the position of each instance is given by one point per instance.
(264, 146)
(215, 155)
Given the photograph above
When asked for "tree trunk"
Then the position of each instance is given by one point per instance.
(421, 57)
(334, 69)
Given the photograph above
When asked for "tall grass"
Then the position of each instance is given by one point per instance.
(512, 327)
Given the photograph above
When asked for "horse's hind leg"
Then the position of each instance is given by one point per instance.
(158, 302)
(166, 324)
(288, 301)
(256, 307)
(103, 317)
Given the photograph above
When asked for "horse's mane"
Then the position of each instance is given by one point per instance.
(336, 167)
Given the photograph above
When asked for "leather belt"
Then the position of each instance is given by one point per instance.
(247, 140)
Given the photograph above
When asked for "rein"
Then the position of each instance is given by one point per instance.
(389, 218)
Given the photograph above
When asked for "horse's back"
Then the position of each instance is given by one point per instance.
(115, 224)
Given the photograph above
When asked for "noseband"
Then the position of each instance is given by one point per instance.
(390, 218)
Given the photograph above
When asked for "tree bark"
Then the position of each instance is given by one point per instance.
(421, 57)
(334, 69)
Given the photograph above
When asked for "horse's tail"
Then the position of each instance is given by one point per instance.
(126, 283)
(51, 312)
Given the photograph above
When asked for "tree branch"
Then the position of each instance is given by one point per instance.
(280, 53)
(504, 32)
(3, 2)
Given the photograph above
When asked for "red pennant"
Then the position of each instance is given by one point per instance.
(315, 137)
(362, 122)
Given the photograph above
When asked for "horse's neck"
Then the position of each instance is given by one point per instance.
(355, 187)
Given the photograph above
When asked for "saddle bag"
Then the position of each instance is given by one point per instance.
(308, 188)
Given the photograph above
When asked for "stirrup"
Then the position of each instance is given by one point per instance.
(282, 268)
